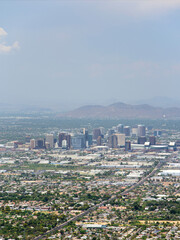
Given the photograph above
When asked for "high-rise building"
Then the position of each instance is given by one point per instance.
(67, 138)
(50, 140)
(127, 130)
(40, 143)
(102, 129)
(120, 128)
(78, 142)
(120, 139)
(116, 140)
(61, 137)
(64, 144)
(141, 140)
(112, 141)
(157, 133)
(96, 133)
(32, 143)
(85, 132)
(134, 132)
(127, 145)
(141, 131)
(90, 140)
(110, 132)
(99, 141)
(152, 140)
(47, 145)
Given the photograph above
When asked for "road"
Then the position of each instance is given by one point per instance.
(158, 166)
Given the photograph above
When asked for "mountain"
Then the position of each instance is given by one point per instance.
(11, 108)
(159, 101)
(122, 110)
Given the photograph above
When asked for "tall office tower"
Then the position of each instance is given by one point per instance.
(85, 132)
(40, 143)
(112, 141)
(134, 132)
(127, 145)
(102, 129)
(68, 140)
(50, 140)
(110, 132)
(62, 136)
(47, 145)
(78, 142)
(141, 131)
(99, 141)
(141, 140)
(127, 131)
(120, 139)
(64, 144)
(96, 133)
(90, 140)
(32, 143)
(152, 140)
(157, 133)
(120, 128)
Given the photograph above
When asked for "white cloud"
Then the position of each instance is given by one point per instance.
(4, 47)
(157, 6)
(140, 7)
(2, 32)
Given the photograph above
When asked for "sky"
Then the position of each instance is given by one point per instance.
(66, 54)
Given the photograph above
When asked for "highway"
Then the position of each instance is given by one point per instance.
(158, 166)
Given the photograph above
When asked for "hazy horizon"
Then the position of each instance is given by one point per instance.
(73, 53)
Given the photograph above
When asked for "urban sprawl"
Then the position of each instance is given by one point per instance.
(118, 182)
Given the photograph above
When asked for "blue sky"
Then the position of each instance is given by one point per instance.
(71, 53)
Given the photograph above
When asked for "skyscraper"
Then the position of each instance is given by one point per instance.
(113, 141)
(152, 140)
(50, 140)
(67, 138)
(141, 140)
(127, 130)
(141, 131)
(127, 145)
(99, 141)
(32, 143)
(40, 143)
(61, 138)
(120, 139)
(102, 129)
(96, 133)
(120, 128)
(78, 142)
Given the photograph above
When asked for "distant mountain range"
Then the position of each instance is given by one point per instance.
(122, 110)
(10, 108)
(159, 101)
